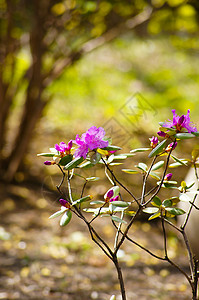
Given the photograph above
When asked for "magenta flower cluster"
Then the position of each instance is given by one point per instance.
(92, 139)
(180, 123)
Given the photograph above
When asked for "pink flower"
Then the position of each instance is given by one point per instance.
(94, 138)
(181, 122)
(82, 150)
(154, 141)
(171, 146)
(63, 148)
(91, 139)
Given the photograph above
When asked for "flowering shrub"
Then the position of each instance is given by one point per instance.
(94, 148)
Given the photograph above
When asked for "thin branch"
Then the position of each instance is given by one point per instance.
(62, 181)
(145, 180)
(165, 170)
(95, 43)
(116, 180)
(118, 231)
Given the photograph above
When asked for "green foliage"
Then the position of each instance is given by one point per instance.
(158, 149)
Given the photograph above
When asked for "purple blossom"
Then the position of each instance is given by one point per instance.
(63, 148)
(181, 122)
(171, 146)
(91, 139)
(154, 141)
(94, 138)
(82, 150)
(168, 176)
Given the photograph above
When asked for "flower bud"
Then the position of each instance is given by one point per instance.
(171, 146)
(109, 194)
(114, 199)
(154, 141)
(63, 202)
(181, 120)
(161, 133)
(168, 177)
(48, 163)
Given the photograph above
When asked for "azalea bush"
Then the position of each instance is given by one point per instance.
(94, 148)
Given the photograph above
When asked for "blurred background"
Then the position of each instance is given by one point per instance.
(65, 66)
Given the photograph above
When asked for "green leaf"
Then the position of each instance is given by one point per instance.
(156, 201)
(65, 219)
(174, 200)
(175, 165)
(112, 148)
(117, 219)
(158, 165)
(180, 161)
(74, 163)
(128, 154)
(150, 210)
(142, 167)
(196, 133)
(115, 164)
(139, 150)
(65, 160)
(184, 135)
(168, 184)
(84, 199)
(120, 156)
(175, 211)
(156, 215)
(184, 197)
(95, 158)
(120, 204)
(47, 154)
(167, 203)
(130, 212)
(129, 171)
(158, 149)
(92, 178)
(58, 213)
(97, 202)
(96, 211)
(86, 165)
(154, 175)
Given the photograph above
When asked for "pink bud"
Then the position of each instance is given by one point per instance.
(63, 202)
(109, 194)
(161, 133)
(47, 163)
(114, 199)
(181, 120)
(168, 176)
